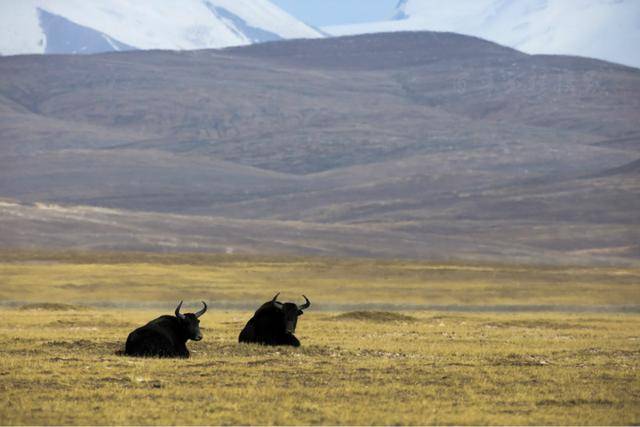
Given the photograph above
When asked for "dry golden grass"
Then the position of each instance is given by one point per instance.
(61, 368)
(59, 365)
(141, 278)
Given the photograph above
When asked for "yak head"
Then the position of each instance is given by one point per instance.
(290, 312)
(190, 323)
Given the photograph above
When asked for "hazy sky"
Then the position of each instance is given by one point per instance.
(334, 12)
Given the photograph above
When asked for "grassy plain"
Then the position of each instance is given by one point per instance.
(58, 364)
(140, 278)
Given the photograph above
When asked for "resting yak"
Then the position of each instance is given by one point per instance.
(166, 336)
(274, 323)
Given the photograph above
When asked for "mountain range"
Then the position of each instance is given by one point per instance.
(419, 144)
(604, 29)
(78, 26)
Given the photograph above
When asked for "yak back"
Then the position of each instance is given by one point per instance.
(163, 336)
(270, 316)
(167, 323)
(267, 326)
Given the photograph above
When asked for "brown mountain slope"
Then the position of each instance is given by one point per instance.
(437, 136)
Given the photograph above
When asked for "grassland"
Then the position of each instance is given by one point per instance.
(58, 363)
(139, 279)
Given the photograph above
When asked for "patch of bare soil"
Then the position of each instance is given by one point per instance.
(514, 359)
(538, 324)
(51, 306)
(575, 402)
(375, 316)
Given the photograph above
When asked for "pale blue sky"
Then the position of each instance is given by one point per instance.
(335, 12)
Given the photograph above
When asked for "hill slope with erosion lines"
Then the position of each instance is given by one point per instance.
(437, 136)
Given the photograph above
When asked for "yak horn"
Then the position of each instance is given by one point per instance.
(178, 314)
(276, 303)
(307, 304)
(204, 310)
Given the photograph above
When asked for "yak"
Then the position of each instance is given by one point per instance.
(166, 336)
(274, 323)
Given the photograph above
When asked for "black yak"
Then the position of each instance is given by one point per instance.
(274, 323)
(166, 336)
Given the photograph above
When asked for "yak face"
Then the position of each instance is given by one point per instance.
(191, 327)
(291, 313)
(190, 323)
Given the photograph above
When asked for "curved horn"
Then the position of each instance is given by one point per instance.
(203, 311)
(178, 314)
(307, 304)
(277, 304)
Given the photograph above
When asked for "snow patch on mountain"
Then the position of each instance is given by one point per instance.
(63, 36)
(80, 26)
(604, 29)
(254, 34)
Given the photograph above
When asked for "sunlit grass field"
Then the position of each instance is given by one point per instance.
(408, 362)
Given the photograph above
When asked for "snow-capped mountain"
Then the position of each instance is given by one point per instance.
(604, 29)
(90, 26)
